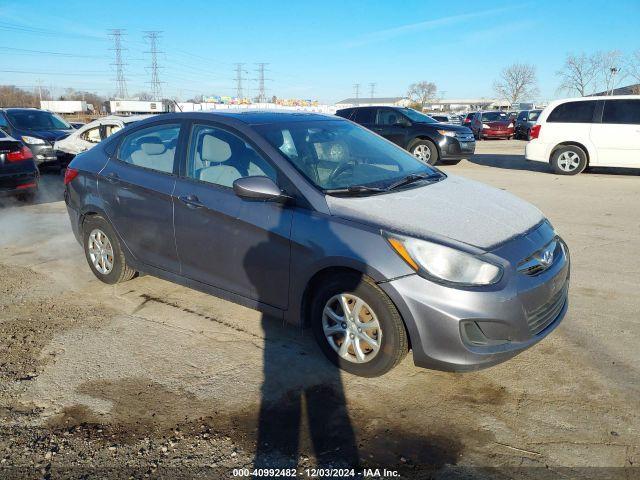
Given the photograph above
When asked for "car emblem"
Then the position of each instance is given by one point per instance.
(546, 257)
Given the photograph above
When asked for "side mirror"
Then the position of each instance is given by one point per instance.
(259, 188)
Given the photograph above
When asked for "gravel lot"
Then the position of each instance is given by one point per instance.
(148, 378)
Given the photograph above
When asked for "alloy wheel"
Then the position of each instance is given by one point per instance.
(100, 251)
(568, 161)
(422, 152)
(352, 328)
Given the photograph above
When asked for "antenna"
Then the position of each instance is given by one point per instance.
(262, 97)
(156, 85)
(121, 84)
(239, 72)
(372, 86)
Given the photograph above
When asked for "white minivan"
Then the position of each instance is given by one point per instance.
(574, 133)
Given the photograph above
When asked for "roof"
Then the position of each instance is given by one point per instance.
(628, 90)
(356, 101)
(256, 117)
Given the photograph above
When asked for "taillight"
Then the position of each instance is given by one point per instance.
(69, 175)
(535, 131)
(23, 154)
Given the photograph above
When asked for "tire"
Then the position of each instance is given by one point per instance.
(424, 146)
(568, 160)
(393, 345)
(119, 271)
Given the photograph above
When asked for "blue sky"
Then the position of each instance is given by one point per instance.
(316, 49)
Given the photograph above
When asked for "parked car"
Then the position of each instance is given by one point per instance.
(491, 124)
(91, 134)
(317, 221)
(574, 133)
(18, 172)
(447, 118)
(38, 129)
(466, 119)
(427, 139)
(524, 121)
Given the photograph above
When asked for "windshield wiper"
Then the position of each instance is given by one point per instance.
(355, 189)
(414, 177)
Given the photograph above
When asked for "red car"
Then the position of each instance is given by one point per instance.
(491, 124)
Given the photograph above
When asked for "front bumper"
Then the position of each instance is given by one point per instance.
(437, 316)
(454, 148)
(496, 133)
(18, 177)
(44, 154)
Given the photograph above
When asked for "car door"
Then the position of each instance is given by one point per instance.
(137, 185)
(234, 244)
(617, 137)
(392, 125)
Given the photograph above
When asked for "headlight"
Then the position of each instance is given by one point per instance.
(447, 133)
(510, 125)
(484, 125)
(32, 140)
(435, 261)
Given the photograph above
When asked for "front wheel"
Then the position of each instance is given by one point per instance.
(357, 326)
(103, 251)
(568, 160)
(425, 151)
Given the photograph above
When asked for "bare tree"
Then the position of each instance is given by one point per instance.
(12, 96)
(610, 66)
(422, 92)
(517, 82)
(633, 66)
(579, 74)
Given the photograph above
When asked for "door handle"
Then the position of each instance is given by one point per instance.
(191, 201)
(112, 177)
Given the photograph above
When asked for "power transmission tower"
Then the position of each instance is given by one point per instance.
(239, 79)
(356, 90)
(262, 97)
(156, 85)
(121, 84)
(372, 86)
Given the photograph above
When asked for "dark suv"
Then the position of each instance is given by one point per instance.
(427, 139)
(38, 129)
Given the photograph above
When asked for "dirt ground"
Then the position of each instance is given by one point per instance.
(150, 379)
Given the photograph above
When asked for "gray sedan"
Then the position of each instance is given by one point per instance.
(317, 221)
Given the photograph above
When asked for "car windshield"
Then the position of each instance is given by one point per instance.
(416, 116)
(494, 117)
(338, 155)
(533, 115)
(37, 120)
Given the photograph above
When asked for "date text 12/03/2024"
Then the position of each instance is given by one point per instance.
(315, 472)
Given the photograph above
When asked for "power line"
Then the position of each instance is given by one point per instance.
(356, 90)
(156, 85)
(372, 86)
(239, 79)
(261, 90)
(121, 83)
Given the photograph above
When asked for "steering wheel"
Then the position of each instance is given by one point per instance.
(340, 169)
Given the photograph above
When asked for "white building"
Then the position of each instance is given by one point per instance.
(378, 102)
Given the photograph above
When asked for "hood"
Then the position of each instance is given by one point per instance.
(50, 135)
(456, 208)
(448, 127)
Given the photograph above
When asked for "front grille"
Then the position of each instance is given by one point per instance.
(465, 137)
(542, 316)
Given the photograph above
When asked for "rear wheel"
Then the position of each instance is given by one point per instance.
(425, 151)
(568, 160)
(103, 251)
(357, 326)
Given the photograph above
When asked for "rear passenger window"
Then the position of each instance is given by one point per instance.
(386, 116)
(92, 135)
(153, 147)
(621, 112)
(364, 115)
(219, 157)
(573, 112)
